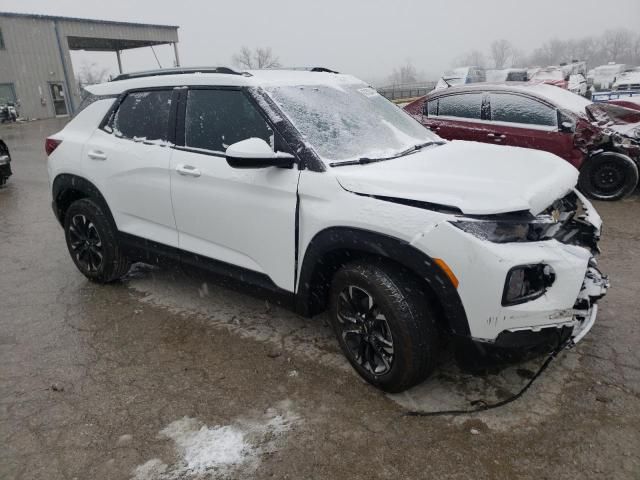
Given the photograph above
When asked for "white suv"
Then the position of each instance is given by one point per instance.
(311, 187)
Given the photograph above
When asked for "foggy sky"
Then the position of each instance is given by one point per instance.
(366, 38)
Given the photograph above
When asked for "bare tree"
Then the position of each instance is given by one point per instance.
(618, 44)
(404, 74)
(519, 58)
(501, 53)
(473, 58)
(636, 51)
(90, 74)
(258, 58)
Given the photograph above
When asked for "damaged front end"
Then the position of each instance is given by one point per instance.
(537, 303)
(570, 220)
(618, 130)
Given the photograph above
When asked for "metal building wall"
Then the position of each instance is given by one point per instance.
(31, 59)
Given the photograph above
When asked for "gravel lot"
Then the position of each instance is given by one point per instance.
(170, 376)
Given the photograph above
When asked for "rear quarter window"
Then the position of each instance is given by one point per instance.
(143, 116)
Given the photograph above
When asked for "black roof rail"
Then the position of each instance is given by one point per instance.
(177, 71)
(306, 69)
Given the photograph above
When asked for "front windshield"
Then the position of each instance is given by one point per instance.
(349, 121)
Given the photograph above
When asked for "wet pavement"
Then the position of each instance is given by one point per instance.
(167, 375)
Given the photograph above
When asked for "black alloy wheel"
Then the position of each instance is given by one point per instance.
(365, 330)
(384, 323)
(92, 241)
(85, 243)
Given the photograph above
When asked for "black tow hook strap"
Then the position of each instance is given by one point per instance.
(482, 406)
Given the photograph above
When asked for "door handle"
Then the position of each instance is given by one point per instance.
(96, 155)
(496, 137)
(188, 170)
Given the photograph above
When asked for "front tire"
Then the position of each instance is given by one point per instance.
(608, 176)
(383, 324)
(92, 243)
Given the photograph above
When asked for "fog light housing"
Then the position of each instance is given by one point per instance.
(527, 282)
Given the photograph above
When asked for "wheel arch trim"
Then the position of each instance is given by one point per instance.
(69, 182)
(336, 239)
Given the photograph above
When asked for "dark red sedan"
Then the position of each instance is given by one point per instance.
(602, 141)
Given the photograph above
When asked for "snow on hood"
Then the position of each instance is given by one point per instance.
(625, 121)
(478, 179)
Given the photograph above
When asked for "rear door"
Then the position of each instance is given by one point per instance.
(128, 160)
(242, 217)
(457, 116)
(523, 121)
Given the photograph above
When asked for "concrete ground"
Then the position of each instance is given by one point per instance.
(169, 376)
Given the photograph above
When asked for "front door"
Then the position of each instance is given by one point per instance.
(58, 99)
(242, 217)
(457, 116)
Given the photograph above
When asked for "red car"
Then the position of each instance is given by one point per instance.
(601, 140)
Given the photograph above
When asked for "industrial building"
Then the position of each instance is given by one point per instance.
(36, 72)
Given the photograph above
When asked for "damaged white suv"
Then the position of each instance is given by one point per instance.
(311, 187)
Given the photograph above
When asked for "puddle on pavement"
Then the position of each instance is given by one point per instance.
(449, 388)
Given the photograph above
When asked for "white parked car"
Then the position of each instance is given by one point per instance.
(627, 80)
(313, 188)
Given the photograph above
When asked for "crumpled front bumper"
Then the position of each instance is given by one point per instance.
(567, 333)
(594, 287)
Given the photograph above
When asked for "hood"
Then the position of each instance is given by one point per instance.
(625, 121)
(476, 178)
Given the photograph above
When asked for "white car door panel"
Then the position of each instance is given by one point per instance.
(134, 179)
(243, 217)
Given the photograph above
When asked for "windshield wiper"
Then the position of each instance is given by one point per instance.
(418, 146)
(366, 160)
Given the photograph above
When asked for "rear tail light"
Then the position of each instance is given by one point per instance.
(50, 144)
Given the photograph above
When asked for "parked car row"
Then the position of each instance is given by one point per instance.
(600, 140)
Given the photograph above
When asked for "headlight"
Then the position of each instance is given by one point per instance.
(636, 133)
(527, 282)
(506, 231)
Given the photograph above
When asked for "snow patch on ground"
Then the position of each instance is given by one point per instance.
(205, 447)
(220, 451)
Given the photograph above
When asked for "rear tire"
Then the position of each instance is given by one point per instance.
(92, 243)
(383, 323)
(608, 176)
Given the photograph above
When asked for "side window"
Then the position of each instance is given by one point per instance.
(431, 108)
(519, 109)
(466, 105)
(216, 119)
(143, 115)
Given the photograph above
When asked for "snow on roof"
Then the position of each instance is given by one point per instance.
(560, 97)
(630, 76)
(264, 78)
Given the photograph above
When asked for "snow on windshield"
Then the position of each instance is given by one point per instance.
(349, 122)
